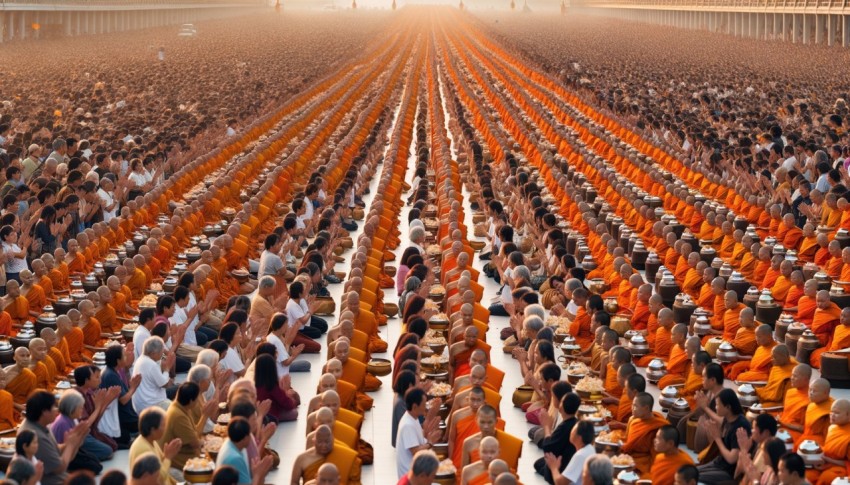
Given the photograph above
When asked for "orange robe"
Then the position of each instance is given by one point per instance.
(465, 428)
(677, 365)
(774, 392)
(745, 341)
(612, 386)
(106, 315)
(75, 341)
(510, 449)
(794, 410)
(732, 322)
(580, 329)
(825, 321)
(664, 467)
(7, 411)
(806, 307)
(837, 447)
(755, 370)
(5, 324)
(91, 333)
(640, 434)
(42, 376)
(840, 340)
(817, 422)
(640, 318)
(36, 298)
(780, 288)
(22, 385)
(461, 359)
(46, 284)
(663, 345)
(18, 309)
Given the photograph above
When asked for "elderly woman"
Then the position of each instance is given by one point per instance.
(185, 420)
(209, 358)
(91, 451)
(155, 379)
(118, 364)
(151, 431)
(412, 286)
(202, 376)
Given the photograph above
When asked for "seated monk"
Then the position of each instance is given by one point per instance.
(797, 290)
(757, 368)
(580, 326)
(827, 316)
(9, 415)
(669, 457)
(41, 365)
(136, 280)
(326, 383)
(353, 372)
(793, 234)
(793, 414)
(840, 340)
(809, 244)
(75, 259)
(15, 305)
(105, 313)
(816, 422)
(782, 286)
(844, 273)
(478, 473)
(20, 380)
(618, 356)
(693, 276)
(633, 384)
(836, 447)
(54, 271)
(346, 390)
(807, 304)
(33, 293)
(493, 378)
(71, 340)
(344, 435)
(745, 340)
(477, 378)
(460, 352)
(731, 317)
(307, 464)
(93, 337)
(463, 423)
(510, 446)
(120, 299)
(42, 278)
(778, 378)
(640, 433)
(501, 473)
(663, 339)
(640, 317)
(695, 380)
(467, 320)
(680, 357)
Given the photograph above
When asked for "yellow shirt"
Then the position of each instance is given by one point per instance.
(141, 446)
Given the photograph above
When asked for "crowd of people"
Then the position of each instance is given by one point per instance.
(160, 289)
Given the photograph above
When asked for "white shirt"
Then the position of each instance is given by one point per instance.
(139, 180)
(270, 264)
(232, 361)
(294, 311)
(573, 470)
(107, 199)
(409, 436)
(282, 354)
(178, 318)
(139, 337)
(150, 391)
(14, 264)
(308, 204)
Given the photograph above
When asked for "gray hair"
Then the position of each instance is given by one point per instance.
(521, 272)
(533, 323)
(599, 469)
(535, 310)
(199, 373)
(153, 345)
(412, 283)
(207, 357)
(147, 464)
(59, 144)
(573, 284)
(417, 233)
(267, 282)
(20, 470)
(424, 463)
(70, 402)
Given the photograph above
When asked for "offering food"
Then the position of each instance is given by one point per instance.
(590, 384)
(612, 436)
(437, 290)
(130, 327)
(199, 465)
(431, 305)
(223, 418)
(440, 389)
(7, 445)
(434, 338)
(562, 323)
(578, 368)
(148, 301)
(433, 250)
(436, 360)
(220, 430)
(212, 443)
(193, 250)
(623, 460)
(112, 258)
(446, 468)
(156, 287)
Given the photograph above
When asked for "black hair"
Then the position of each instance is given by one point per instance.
(228, 331)
(225, 475)
(113, 355)
(730, 400)
(413, 397)
(238, 429)
(585, 431)
(187, 392)
(794, 463)
(83, 373)
(404, 380)
(24, 438)
(265, 372)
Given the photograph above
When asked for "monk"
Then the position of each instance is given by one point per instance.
(580, 326)
(817, 413)
(640, 317)
(510, 446)
(836, 447)
(353, 372)
(840, 340)
(54, 354)
(346, 390)
(71, 340)
(477, 378)
(44, 373)
(779, 376)
(105, 313)
(15, 305)
(34, 294)
(640, 432)
(695, 380)
(745, 340)
(463, 423)
(827, 316)
(792, 299)
(756, 369)
(731, 317)
(307, 464)
(663, 339)
(9, 414)
(793, 234)
(460, 352)
(93, 337)
(669, 457)
(793, 414)
(613, 390)
(20, 380)
(782, 286)
(478, 473)
(633, 384)
(807, 304)
(680, 357)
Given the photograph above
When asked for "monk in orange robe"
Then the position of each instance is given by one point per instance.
(778, 378)
(836, 447)
(580, 326)
(817, 413)
(807, 304)
(510, 446)
(105, 313)
(663, 339)
(464, 423)
(669, 457)
(680, 357)
(827, 316)
(796, 291)
(640, 433)
(34, 294)
(782, 286)
(478, 473)
(793, 414)
(460, 352)
(731, 317)
(840, 339)
(793, 234)
(8, 419)
(640, 317)
(756, 369)
(14, 304)
(20, 380)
